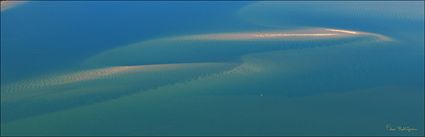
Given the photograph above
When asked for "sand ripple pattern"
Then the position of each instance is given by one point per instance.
(86, 75)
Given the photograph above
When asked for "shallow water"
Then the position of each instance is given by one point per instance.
(212, 68)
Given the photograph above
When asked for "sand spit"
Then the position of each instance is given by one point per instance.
(302, 34)
(137, 52)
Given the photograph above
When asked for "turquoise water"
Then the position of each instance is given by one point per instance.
(201, 68)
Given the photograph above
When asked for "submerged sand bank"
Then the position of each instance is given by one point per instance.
(92, 74)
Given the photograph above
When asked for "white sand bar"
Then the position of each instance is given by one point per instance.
(310, 33)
